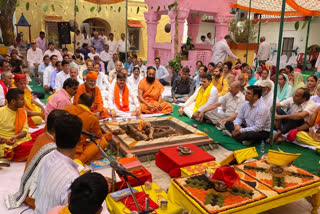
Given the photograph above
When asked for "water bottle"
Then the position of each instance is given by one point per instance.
(262, 147)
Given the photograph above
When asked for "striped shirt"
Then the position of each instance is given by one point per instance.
(256, 117)
(55, 177)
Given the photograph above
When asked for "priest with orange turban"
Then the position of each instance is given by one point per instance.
(34, 109)
(90, 87)
(150, 91)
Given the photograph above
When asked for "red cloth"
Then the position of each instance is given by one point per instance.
(169, 160)
(143, 174)
(292, 135)
(227, 174)
(140, 196)
(22, 151)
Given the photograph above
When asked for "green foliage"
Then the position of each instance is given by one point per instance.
(92, 9)
(296, 25)
(138, 9)
(304, 24)
(77, 8)
(44, 8)
(239, 30)
(119, 9)
(158, 9)
(52, 7)
(170, 6)
(27, 6)
(99, 9)
(17, 4)
(175, 64)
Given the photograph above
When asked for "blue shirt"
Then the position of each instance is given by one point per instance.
(53, 78)
(85, 53)
(126, 65)
(42, 67)
(197, 81)
(257, 117)
(98, 44)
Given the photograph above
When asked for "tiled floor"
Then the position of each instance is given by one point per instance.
(10, 179)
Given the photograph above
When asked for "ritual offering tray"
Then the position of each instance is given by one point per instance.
(147, 136)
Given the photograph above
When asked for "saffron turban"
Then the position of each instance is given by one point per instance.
(92, 75)
(20, 78)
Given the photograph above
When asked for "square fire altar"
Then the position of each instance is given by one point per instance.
(147, 136)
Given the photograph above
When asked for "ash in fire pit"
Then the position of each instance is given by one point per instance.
(145, 131)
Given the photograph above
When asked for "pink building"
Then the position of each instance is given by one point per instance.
(192, 11)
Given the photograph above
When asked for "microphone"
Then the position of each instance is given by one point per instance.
(90, 134)
(121, 170)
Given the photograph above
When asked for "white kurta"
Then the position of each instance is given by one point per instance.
(221, 51)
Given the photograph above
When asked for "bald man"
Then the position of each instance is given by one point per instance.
(113, 73)
(230, 103)
(5, 85)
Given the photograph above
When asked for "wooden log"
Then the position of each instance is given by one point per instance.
(134, 132)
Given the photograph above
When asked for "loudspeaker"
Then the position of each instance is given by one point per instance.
(64, 33)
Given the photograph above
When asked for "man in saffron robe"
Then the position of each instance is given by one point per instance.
(150, 90)
(87, 151)
(5, 85)
(42, 140)
(201, 99)
(62, 98)
(90, 87)
(34, 109)
(122, 102)
(15, 139)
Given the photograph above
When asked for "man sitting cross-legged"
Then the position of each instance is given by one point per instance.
(182, 87)
(87, 151)
(34, 109)
(150, 90)
(58, 170)
(253, 121)
(88, 192)
(62, 98)
(15, 139)
(230, 103)
(298, 110)
(44, 144)
(202, 98)
(122, 102)
(90, 87)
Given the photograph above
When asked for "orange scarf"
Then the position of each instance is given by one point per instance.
(20, 120)
(317, 120)
(65, 210)
(125, 98)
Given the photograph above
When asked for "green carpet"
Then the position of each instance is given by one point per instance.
(309, 159)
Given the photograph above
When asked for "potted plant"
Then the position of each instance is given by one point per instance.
(175, 66)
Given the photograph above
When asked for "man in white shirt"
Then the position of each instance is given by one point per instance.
(48, 72)
(142, 67)
(161, 72)
(52, 51)
(113, 73)
(203, 40)
(106, 56)
(104, 37)
(264, 52)
(93, 53)
(209, 39)
(122, 48)
(195, 106)
(78, 39)
(58, 170)
(230, 103)
(5, 85)
(15, 47)
(221, 51)
(134, 80)
(112, 63)
(113, 45)
(85, 40)
(41, 41)
(62, 75)
(122, 101)
(34, 58)
(74, 74)
(298, 110)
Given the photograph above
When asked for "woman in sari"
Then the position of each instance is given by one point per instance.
(251, 76)
(297, 81)
(312, 84)
(284, 89)
(265, 75)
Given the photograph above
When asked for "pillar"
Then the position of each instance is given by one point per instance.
(222, 27)
(152, 18)
(193, 26)
(182, 16)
